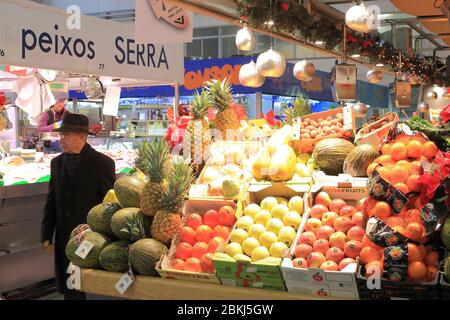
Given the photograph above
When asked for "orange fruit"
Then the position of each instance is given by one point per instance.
(414, 149)
(413, 183)
(417, 271)
(377, 264)
(402, 187)
(414, 253)
(432, 258)
(429, 149)
(399, 151)
(423, 251)
(386, 149)
(404, 163)
(398, 174)
(366, 242)
(370, 168)
(403, 138)
(415, 168)
(432, 272)
(382, 210)
(415, 231)
(413, 215)
(384, 172)
(369, 254)
(394, 221)
(384, 160)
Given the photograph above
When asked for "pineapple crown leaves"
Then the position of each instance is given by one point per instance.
(220, 91)
(141, 161)
(300, 107)
(158, 161)
(138, 227)
(200, 104)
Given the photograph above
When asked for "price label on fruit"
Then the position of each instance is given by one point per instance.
(348, 118)
(83, 249)
(125, 282)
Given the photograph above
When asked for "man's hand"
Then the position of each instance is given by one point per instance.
(48, 247)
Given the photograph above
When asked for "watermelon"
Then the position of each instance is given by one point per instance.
(445, 233)
(92, 260)
(119, 222)
(145, 254)
(99, 218)
(114, 257)
(129, 190)
(79, 229)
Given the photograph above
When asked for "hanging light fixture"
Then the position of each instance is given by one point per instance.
(249, 76)
(432, 96)
(358, 18)
(271, 64)
(374, 76)
(446, 95)
(423, 107)
(245, 39)
(360, 109)
(304, 70)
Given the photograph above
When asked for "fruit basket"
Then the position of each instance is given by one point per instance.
(253, 254)
(226, 172)
(190, 253)
(324, 258)
(336, 123)
(376, 132)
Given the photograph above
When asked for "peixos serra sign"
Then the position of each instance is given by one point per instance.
(40, 38)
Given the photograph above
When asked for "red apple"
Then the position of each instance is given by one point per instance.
(303, 250)
(352, 249)
(206, 263)
(335, 254)
(347, 211)
(315, 259)
(324, 232)
(317, 211)
(211, 218)
(226, 216)
(345, 262)
(321, 246)
(336, 205)
(194, 221)
(300, 263)
(307, 237)
(323, 198)
(356, 233)
(359, 219)
(338, 239)
(329, 217)
(342, 224)
(329, 266)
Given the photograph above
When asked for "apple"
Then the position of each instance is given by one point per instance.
(215, 243)
(342, 224)
(323, 198)
(262, 217)
(187, 234)
(279, 211)
(359, 219)
(352, 249)
(226, 216)
(178, 264)
(300, 263)
(249, 245)
(336, 205)
(193, 265)
(303, 250)
(296, 204)
(329, 266)
(268, 203)
(238, 235)
(345, 262)
(321, 246)
(361, 204)
(278, 249)
(211, 218)
(356, 233)
(292, 219)
(338, 239)
(287, 235)
(245, 223)
(315, 259)
(222, 232)
(317, 211)
(347, 211)
(233, 249)
(260, 253)
(267, 239)
(183, 251)
(256, 230)
(274, 225)
(199, 250)
(194, 221)
(206, 263)
(324, 232)
(307, 237)
(335, 254)
(204, 233)
(312, 224)
(252, 210)
(329, 217)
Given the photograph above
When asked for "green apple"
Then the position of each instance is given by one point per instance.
(245, 223)
(274, 225)
(279, 211)
(256, 230)
(249, 245)
(268, 203)
(287, 235)
(238, 235)
(277, 249)
(242, 257)
(292, 219)
(262, 217)
(252, 210)
(267, 239)
(296, 204)
(260, 253)
(233, 249)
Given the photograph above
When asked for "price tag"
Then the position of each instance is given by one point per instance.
(297, 125)
(84, 249)
(348, 118)
(125, 282)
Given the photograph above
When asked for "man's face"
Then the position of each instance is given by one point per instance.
(71, 142)
(59, 106)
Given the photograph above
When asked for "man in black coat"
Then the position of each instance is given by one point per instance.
(80, 178)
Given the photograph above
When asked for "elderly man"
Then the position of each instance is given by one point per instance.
(50, 120)
(80, 178)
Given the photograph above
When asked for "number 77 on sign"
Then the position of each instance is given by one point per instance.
(172, 14)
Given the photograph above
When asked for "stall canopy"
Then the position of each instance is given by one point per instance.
(197, 72)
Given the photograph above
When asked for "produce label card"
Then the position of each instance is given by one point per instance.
(124, 283)
(83, 249)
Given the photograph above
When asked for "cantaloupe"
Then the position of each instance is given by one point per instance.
(359, 159)
(330, 154)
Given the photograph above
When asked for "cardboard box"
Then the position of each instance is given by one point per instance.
(163, 266)
(340, 181)
(380, 133)
(265, 274)
(316, 281)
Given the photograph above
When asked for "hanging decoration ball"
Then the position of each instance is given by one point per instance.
(360, 109)
(249, 76)
(304, 70)
(432, 96)
(374, 76)
(358, 18)
(245, 39)
(423, 107)
(271, 64)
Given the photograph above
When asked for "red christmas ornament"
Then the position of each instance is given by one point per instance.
(284, 6)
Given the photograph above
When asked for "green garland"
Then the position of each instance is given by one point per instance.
(302, 22)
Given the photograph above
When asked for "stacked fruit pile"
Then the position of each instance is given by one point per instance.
(266, 230)
(331, 237)
(200, 237)
(322, 127)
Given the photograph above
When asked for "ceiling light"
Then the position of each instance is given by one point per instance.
(379, 65)
(356, 55)
(319, 42)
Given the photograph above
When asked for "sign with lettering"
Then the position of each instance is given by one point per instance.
(41, 39)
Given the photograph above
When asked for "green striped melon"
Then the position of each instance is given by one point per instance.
(99, 218)
(145, 254)
(128, 191)
(114, 257)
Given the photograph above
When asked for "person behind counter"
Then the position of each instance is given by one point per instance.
(50, 120)
(80, 179)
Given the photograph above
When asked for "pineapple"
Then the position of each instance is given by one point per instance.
(141, 161)
(226, 118)
(158, 168)
(138, 227)
(167, 220)
(199, 137)
(301, 107)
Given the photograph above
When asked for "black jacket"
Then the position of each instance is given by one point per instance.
(70, 199)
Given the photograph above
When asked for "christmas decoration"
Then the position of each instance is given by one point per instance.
(271, 64)
(358, 18)
(374, 76)
(304, 70)
(249, 76)
(245, 40)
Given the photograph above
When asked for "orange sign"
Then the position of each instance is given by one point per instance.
(197, 79)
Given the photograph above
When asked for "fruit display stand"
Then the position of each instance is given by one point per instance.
(102, 283)
(265, 273)
(340, 181)
(375, 133)
(315, 281)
